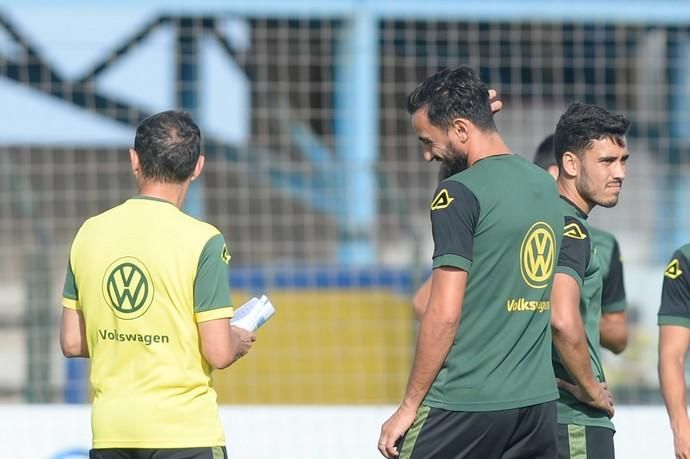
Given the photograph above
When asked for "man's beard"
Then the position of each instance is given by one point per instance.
(587, 191)
(454, 162)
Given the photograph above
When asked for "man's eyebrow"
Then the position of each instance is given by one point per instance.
(610, 158)
(607, 158)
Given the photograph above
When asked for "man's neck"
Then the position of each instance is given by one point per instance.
(172, 192)
(567, 189)
(490, 145)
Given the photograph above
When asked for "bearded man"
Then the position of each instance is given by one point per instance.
(482, 384)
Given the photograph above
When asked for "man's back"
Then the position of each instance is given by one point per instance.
(144, 274)
(500, 358)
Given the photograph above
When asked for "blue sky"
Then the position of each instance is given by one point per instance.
(72, 43)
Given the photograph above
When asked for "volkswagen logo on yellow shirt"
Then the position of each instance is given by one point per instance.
(538, 255)
(127, 288)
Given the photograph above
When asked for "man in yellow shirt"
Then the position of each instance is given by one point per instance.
(147, 299)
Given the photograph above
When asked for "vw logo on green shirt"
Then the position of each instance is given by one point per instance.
(127, 288)
(538, 255)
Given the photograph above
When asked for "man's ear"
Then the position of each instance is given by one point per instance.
(461, 128)
(134, 159)
(199, 167)
(571, 164)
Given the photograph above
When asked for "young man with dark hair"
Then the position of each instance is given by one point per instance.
(591, 153)
(147, 299)
(674, 341)
(481, 384)
(613, 330)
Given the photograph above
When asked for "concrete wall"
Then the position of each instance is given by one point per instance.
(288, 432)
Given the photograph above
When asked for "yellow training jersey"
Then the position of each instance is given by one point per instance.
(144, 275)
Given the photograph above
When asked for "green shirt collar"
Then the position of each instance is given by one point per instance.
(152, 198)
(579, 211)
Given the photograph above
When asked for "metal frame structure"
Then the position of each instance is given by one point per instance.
(352, 203)
(356, 101)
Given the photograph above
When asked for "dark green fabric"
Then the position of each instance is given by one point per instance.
(413, 432)
(585, 442)
(455, 261)
(674, 320)
(70, 289)
(576, 250)
(153, 198)
(211, 287)
(675, 292)
(527, 432)
(570, 410)
(213, 452)
(507, 211)
(608, 255)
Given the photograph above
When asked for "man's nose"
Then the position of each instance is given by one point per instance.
(619, 170)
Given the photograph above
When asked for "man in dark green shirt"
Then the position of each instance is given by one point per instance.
(482, 386)
(591, 152)
(613, 331)
(674, 341)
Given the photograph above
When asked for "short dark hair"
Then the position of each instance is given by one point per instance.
(545, 157)
(450, 94)
(168, 144)
(581, 124)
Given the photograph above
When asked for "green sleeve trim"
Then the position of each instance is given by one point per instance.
(455, 261)
(570, 272)
(413, 434)
(153, 198)
(70, 289)
(213, 314)
(577, 441)
(211, 285)
(616, 306)
(674, 320)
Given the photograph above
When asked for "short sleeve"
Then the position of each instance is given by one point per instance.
(675, 293)
(70, 294)
(211, 286)
(576, 250)
(613, 293)
(454, 215)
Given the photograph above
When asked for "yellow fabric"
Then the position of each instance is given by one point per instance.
(335, 346)
(70, 303)
(214, 314)
(151, 385)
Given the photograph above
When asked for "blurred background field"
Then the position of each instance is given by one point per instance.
(314, 175)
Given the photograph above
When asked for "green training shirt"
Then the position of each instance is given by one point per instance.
(577, 259)
(675, 293)
(499, 220)
(609, 257)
